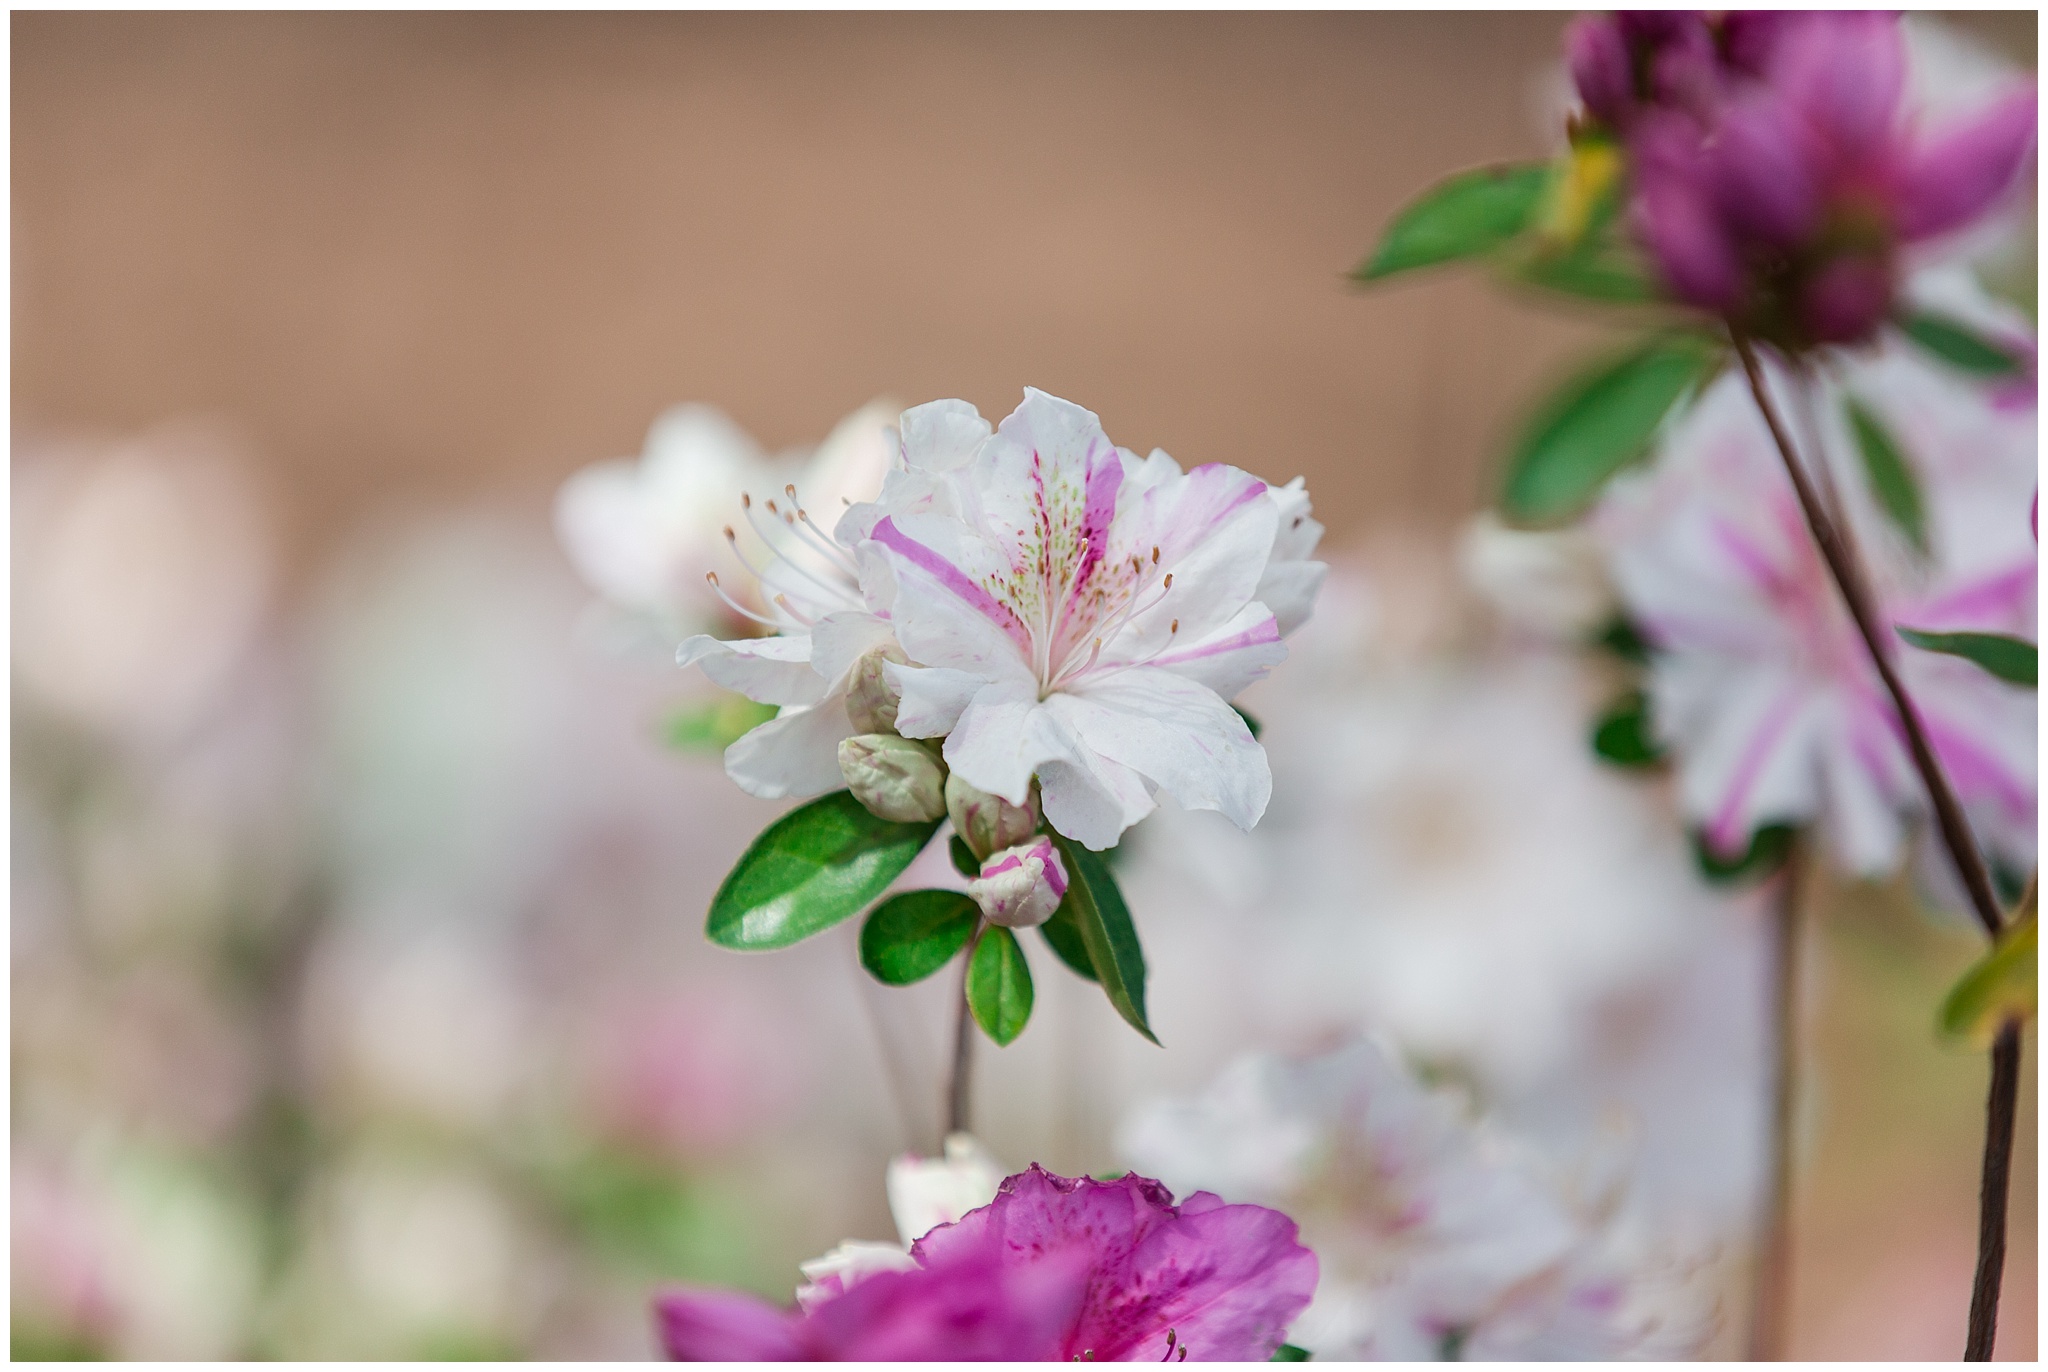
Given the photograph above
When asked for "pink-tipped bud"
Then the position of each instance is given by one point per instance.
(895, 778)
(1021, 886)
(870, 700)
(988, 823)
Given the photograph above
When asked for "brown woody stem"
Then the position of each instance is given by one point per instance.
(963, 1046)
(2001, 1107)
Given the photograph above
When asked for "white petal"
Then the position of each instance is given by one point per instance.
(942, 436)
(839, 640)
(1214, 530)
(794, 754)
(1178, 734)
(1289, 590)
(774, 671)
(1231, 658)
(1002, 736)
(931, 698)
(943, 615)
(1093, 800)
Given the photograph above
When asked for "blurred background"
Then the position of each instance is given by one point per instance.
(360, 1001)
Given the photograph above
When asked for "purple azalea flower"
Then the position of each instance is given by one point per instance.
(1776, 177)
(1053, 1270)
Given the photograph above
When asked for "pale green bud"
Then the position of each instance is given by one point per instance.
(894, 777)
(989, 823)
(870, 700)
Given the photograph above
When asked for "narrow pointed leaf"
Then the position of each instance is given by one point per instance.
(712, 726)
(964, 861)
(1600, 422)
(912, 935)
(810, 869)
(1288, 1352)
(1623, 735)
(2008, 659)
(1250, 722)
(1106, 931)
(2003, 985)
(1891, 477)
(1063, 936)
(1959, 345)
(999, 985)
(1469, 214)
(1768, 849)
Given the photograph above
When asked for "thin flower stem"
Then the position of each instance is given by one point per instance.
(1771, 1301)
(963, 1046)
(2000, 1112)
(2002, 1102)
(1948, 813)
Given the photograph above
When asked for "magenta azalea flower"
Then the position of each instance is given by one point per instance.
(1056, 1269)
(1777, 179)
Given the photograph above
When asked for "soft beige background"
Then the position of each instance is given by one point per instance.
(418, 259)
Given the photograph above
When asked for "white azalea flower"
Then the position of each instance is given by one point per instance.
(1761, 684)
(1082, 616)
(1072, 615)
(1437, 1237)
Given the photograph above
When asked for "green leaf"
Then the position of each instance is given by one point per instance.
(1623, 735)
(1249, 722)
(1106, 931)
(912, 935)
(1891, 479)
(712, 726)
(1959, 345)
(1288, 1352)
(1471, 213)
(809, 870)
(999, 985)
(2008, 659)
(1600, 268)
(1063, 936)
(964, 861)
(1768, 849)
(2002, 985)
(1621, 638)
(1600, 422)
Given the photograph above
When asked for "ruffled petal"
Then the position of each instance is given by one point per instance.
(943, 613)
(1178, 734)
(1235, 655)
(774, 671)
(725, 1326)
(840, 640)
(931, 698)
(794, 754)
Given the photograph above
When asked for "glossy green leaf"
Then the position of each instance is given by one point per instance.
(912, 935)
(1623, 735)
(1063, 936)
(964, 861)
(2002, 985)
(1288, 1352)
(1249, 721)
(1891, 477)
(1768, 849)
(999, 985)
(809, 870)
(1600, 422)
(1469, 214)
(2008, 659)
(1957, 344)
(1106, 931)
(712, 726)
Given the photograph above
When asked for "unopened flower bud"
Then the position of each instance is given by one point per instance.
(988, 823)
(1021, 886)
(895, 778)
(870, 700)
